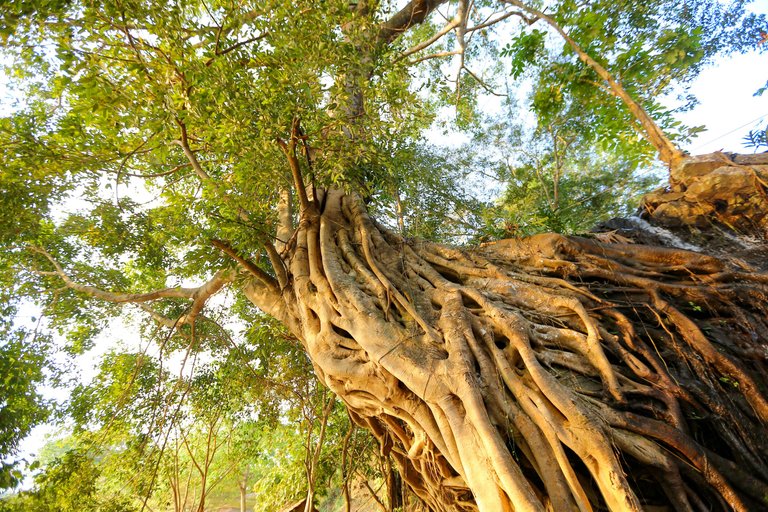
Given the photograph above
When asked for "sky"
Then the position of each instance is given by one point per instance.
(727, 105)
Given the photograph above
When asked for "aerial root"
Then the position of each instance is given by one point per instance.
(554, 407)
(693, 335)
(651, 454)
(694, 454)
(535, 369)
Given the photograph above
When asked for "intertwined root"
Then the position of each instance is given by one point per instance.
(546, 373)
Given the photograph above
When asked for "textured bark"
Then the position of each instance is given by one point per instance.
(546, 373)
(718, 189)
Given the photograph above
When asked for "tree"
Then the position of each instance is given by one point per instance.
(22, 362)
(68, 483)
(177, 437)
(546, 372)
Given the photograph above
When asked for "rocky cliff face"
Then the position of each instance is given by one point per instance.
(715, 203)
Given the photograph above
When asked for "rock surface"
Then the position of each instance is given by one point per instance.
(716, 203)
(717, 189)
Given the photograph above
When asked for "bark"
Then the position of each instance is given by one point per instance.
(546, 373)
(285, 219)
(243, 488)
(394, 487)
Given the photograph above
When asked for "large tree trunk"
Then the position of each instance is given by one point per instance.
(546, 373)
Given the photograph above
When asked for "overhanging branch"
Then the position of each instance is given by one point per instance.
(668, 152)
(412, 14)
(199, 295)
(98, 293)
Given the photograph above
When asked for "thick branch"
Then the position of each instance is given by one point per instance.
(284, 220)
(289, 149)
(199, 295)
(412, 14)
(277, 264)
(668, 152)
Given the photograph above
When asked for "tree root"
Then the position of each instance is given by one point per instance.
(546, 373)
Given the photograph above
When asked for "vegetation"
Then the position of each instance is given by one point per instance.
(208, 172)
(756, 139)
(22, 362)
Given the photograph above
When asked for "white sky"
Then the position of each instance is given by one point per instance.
(727, 106)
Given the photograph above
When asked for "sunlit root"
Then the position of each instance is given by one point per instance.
(547, 373)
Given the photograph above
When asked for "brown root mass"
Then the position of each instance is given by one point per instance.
(546, 373)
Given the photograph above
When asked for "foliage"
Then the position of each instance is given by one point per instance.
(652, 50)
(551, 184)
(756, 139)
(279, 476)
(170, 438)
(430, 194)
(98, 173)
(23, 362)
(68, 484)
(588, 195)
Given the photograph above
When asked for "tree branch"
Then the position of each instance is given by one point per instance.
(668, 152)
(235, 47)
(412, 14)
(289, 149)
(434, 56)
(165, 293)
(184, 143)
(207, 290)
(491, 22)
(157, 317)
(251, 267)
(425, 44)
(482, 83)
(199, 295)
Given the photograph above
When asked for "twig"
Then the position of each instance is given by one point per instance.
(433, 56)
(251, 267)
(289, 149)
